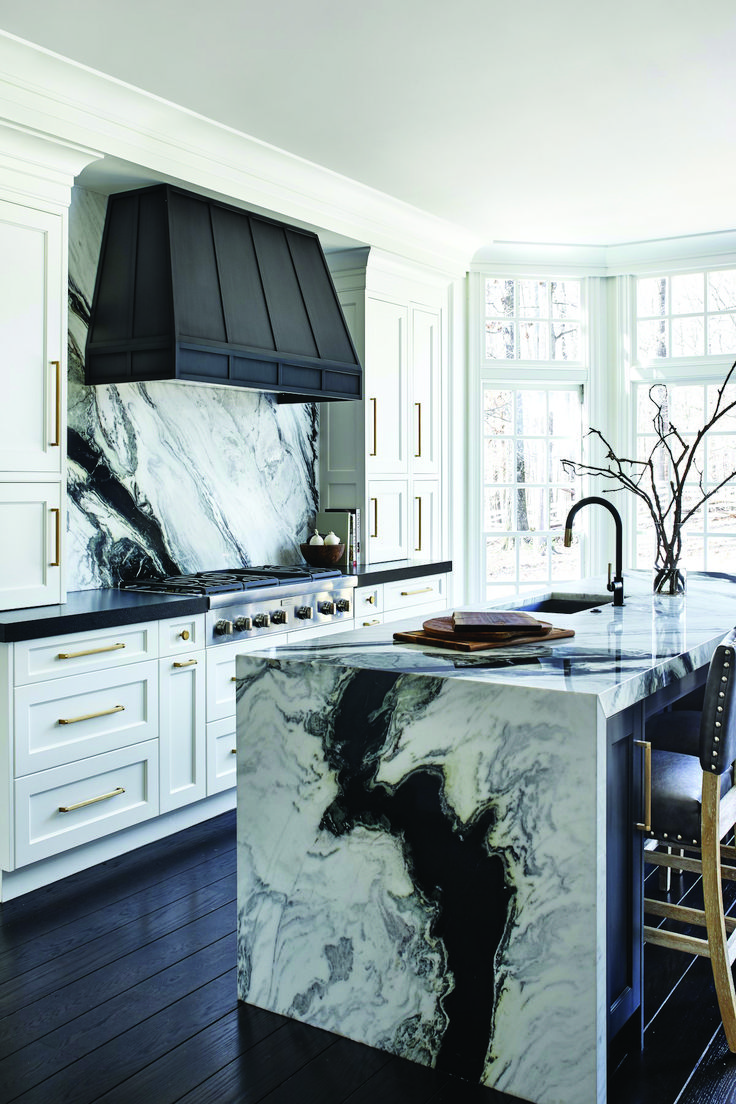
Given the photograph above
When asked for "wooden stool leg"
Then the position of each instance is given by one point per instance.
(714, 915)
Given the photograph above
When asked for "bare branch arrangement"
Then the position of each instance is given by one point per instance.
(661, 480)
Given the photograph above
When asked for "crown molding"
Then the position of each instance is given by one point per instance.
(68, 102)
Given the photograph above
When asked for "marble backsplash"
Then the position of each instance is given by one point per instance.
(175, 477)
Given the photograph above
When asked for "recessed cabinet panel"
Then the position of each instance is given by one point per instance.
(66, 720)
(30, 549)
(31, 427)
(55, 657)
(425, 392)
(182, 730)
(385, 393)
(387, 520)
(181, 634)
(222, 759)
(425, 514)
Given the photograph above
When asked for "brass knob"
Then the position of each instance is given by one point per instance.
(184, 634)
(371, 598)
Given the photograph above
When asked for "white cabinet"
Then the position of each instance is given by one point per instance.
(386, 455)
(392, 601)
(182, 733)
(33, 407)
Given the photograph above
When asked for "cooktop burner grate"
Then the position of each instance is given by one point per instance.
(231, 580)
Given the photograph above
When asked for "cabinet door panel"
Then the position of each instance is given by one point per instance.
(386, 388)
(221, 755)
(31, 438)
(387, 520)
(30, 548)
(425, 512)
(426, 392)
(183, 766)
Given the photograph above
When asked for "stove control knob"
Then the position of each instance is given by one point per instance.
(224, 628)
(279, 617)
(343, 605)
(261, 621)
(327, 607)
(243, 624)
(304, 613)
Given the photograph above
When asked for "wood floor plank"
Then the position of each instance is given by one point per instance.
(50, 977)
(399, 1081)
(105, 922)
(331, 1077)
(27, 1067)
(34, 914)
(39, 1018)
(258, 1069)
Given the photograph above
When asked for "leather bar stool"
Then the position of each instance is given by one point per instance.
(693, 806)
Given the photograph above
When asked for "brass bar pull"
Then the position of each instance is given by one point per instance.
(418, 499)
(186, 663)
(91, 716)
(92, 800)
(422, 590)
(419, 429)
(234, 678)
(647, 825)
(57, 441)
(56, 562)
(233, 751)
(375, 517)
(90, 651)
(375, 621)
(374, 451)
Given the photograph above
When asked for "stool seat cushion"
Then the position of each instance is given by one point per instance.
(677, 785)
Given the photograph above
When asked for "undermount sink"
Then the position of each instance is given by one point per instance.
(560, 603)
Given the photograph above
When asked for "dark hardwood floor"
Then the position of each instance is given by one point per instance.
(118, 985)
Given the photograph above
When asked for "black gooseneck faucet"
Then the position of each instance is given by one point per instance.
(616, 585)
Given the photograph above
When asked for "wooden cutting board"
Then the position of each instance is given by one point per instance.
(441, 627)
(419, 636)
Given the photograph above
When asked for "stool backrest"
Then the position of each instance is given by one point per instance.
(718, 719)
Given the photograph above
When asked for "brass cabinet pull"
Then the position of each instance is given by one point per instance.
(55, 443)
(418, 405)
(233, 751)
(422, 590)
(418, 499)
(375, 517)
(92, 800)
(234, 678)
(56, 562)
(374, 450)
(184, 634)
(90, 651)
(647, 825)
(366, 624)
(91, 716)
(186, 663)
(371, 598)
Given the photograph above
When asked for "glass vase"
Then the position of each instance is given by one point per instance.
(669, 582)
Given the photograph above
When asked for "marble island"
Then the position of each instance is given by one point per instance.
(436, 852)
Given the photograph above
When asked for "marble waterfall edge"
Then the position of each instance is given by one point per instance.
(422, 891)
(172, 477)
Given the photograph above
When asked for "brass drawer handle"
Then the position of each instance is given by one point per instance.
(186, 663)
(184, 634)
(90, 651)
(375, 426)
(56, 562)
(91, 716)
(366, 624)
(92, 800)
(55, 443)
(422, 590)
(647, 825)
(419, 429)
(233, 751)
(375, 517)
(234, 678)
(371, 598)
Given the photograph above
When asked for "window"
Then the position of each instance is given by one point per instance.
(686, 315)
(532, 319)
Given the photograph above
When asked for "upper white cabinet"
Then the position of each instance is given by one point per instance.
(386, 454)
(31, 333)
(36, 176)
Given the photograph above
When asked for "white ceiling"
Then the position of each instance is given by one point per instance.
(518, 120)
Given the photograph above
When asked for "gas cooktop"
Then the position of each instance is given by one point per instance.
(232, 580)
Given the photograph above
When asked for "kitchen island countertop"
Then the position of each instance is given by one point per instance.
(425, 859)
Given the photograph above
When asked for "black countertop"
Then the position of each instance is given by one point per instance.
(85, 610)
(95, 609)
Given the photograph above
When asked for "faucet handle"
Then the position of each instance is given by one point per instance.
(609, 584)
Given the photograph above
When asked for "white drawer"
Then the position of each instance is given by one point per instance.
(181, 634)
(221, 755)
(221, 674)
(103, 794)
(58, 656)
(424, 591)
(68, 719)
(368, 600)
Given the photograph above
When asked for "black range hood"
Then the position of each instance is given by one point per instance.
(189, 288)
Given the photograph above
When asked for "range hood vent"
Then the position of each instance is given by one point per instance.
(192, 289)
